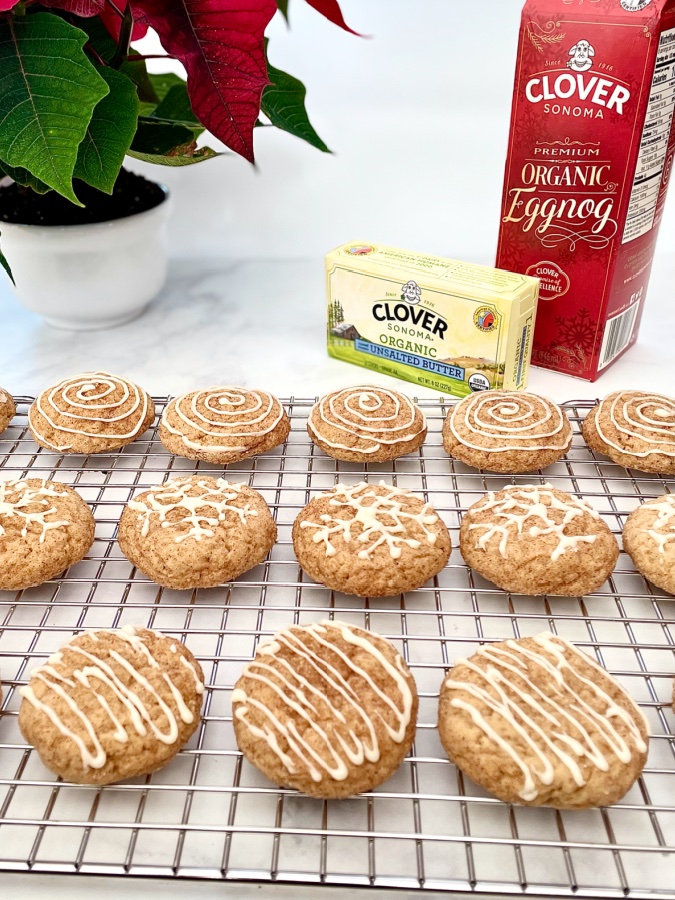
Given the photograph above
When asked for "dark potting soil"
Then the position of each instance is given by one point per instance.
(131, 194)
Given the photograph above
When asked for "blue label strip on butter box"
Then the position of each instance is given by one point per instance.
(410, 359)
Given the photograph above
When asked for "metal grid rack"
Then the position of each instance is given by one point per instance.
(211, 815)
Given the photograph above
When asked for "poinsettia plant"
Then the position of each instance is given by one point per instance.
(76, 98)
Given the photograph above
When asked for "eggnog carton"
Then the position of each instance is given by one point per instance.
(590, 153)
(440, 323)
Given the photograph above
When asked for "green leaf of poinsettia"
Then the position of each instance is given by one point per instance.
(282, 6)
(158, 136)
(49, 91)
(109, 134)
(104, 46)
(283, 102)
(24, 177)
(175, 105)
(5, 266)
(187, 155)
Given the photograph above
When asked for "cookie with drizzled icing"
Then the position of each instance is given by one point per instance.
(507, 431)
(634, 429)
(223, 424)
(536, 539)
(111, 705)
(366, 423)
(649, 539)
(7, 409)
(537, 722)
(95, 412)
(196, 531)
(373, 540)
(328, 709)
(45, 527)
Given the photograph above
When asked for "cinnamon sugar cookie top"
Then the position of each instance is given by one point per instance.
(7, 409)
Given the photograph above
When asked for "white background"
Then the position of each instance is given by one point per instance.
(417, 116)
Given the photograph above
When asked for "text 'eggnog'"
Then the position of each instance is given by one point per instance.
(590, 153)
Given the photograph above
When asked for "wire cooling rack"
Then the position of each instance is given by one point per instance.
(211, 815)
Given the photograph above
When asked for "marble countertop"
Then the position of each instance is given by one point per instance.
(262, 323)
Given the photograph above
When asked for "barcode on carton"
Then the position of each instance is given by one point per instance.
(618, 333)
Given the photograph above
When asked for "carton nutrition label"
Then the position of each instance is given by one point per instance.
(654, 143)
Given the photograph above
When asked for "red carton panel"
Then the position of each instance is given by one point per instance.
(590, 153)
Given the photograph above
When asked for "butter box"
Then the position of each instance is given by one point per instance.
(440, 323)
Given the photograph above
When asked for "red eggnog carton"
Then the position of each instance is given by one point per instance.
(590, 153)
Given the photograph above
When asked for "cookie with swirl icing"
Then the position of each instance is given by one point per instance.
(111, 705)
(507, 431)
(45, 527)
(7, 409)
(95, 412)
(536, 539)
(223, 424)
(537, 722)
(372, 540)
(649, 539)
(196, 531)
(366, 423)
(329, 709)
(635, 429)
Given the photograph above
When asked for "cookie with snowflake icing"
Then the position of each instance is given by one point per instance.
(635, 429)
(196, 531)
(536, 539)
(45, 527)
(372, 540)
(649, 539)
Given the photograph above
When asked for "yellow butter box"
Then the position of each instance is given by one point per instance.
(437, 322)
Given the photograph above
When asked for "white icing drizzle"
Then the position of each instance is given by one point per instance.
(662, 530)
(646, 417)
(310, 747)
(526, 505)
(226, 413)
(114, 676)
(381, 516)
(358, 411)
(23, 507)
(581, 718)
(83, 398)
(511, 421)
(205, 501)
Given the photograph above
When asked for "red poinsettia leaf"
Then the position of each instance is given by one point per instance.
(6, 5)
(220, 43)
(84, 8)
(331, 10)
(112, 22)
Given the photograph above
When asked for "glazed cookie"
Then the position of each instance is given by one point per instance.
(196, 531)
(507, 431)
(537, 722)
(45, 527)
(635, 430)
(111, 705)
(535, 539)
(7, 409)
(649, 539)
(328, 709)
(372, 540)
(223, 424)
(366, 424)
(91, 413)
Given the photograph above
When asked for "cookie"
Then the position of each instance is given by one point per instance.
(112, 705)
(45, 527)
(373, 540)
(91, 413)
(649, 539)
(7, 409)
(328, 709)
(535, 539)
(223, 424)
(366, 424)
(196, 531)
(537, 722)
(635, 429)
(507, 431)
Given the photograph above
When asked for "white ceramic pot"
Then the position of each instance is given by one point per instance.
(85, 277)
